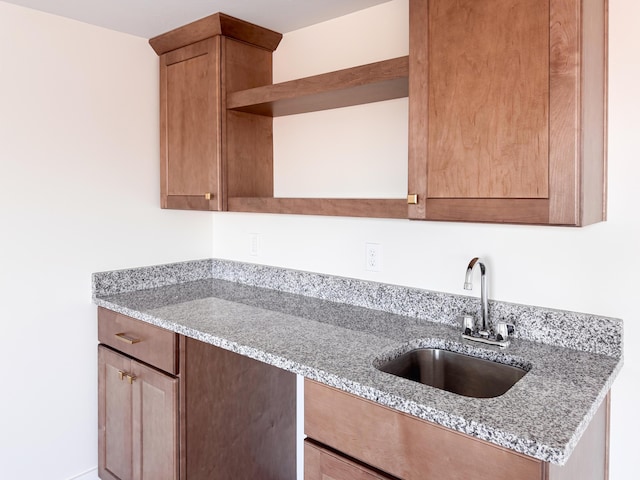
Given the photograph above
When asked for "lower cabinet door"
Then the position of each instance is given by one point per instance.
(155, 424)
(115, 422)
(137, 420)
(323, 464)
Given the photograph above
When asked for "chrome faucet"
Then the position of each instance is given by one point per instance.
(468, 285)
(500, 334)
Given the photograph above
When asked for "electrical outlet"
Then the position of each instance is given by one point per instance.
(373, 257)
(254, 244)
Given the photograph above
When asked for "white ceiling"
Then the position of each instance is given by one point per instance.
(148, 18)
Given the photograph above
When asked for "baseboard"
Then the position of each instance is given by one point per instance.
(88, 475)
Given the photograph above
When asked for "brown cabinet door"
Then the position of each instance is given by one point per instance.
(498, 100)
(115, 422)
(488, 98)
(155, 424)
(137, 420)
(190, 130)
(323, 464)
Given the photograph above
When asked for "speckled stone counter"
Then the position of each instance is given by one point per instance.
(335, 330)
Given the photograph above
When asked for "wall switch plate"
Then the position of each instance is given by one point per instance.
(254, 240)
(373, 257)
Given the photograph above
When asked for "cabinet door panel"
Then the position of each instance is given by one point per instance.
(190, 126)
(114, 416)
(155, 424)
(488, 98)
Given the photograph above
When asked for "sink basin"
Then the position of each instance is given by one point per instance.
(455, 372)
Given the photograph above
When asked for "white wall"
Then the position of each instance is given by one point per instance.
(79, 192)
(361, 136)
(591, 269)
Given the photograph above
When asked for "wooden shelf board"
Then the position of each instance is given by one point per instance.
(374, 82)
(341, 207)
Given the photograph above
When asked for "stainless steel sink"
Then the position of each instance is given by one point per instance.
(455, 372)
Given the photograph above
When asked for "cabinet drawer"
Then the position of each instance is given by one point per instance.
(323, 464)
(148, 343)
(403, 445)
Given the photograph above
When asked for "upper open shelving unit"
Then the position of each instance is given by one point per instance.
(374, 82)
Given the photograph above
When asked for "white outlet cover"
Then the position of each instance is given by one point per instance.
(373, 257)
(253, 244)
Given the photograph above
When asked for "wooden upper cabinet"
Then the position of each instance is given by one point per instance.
(199, 64)
(507, 110)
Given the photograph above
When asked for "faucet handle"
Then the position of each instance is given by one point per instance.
(503, 330)
(468, 324)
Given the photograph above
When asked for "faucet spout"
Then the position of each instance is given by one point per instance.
(468, 285)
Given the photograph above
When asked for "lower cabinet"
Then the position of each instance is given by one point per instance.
(412, 449)
(171, 407)
(138, 419)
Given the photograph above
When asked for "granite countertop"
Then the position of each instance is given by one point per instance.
(334, 330)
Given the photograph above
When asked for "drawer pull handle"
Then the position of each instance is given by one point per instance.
(131, 378)
(121, 374)
(127, 338)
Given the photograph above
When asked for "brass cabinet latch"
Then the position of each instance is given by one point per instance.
(412, 199)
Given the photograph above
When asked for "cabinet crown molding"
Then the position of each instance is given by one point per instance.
(211, 26)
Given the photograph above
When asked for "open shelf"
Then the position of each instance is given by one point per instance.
(374, 82)
(341, 207)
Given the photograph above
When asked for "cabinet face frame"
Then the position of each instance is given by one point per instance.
(577, 124)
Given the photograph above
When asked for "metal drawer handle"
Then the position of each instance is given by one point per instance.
(130, 378)
(127, 338)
